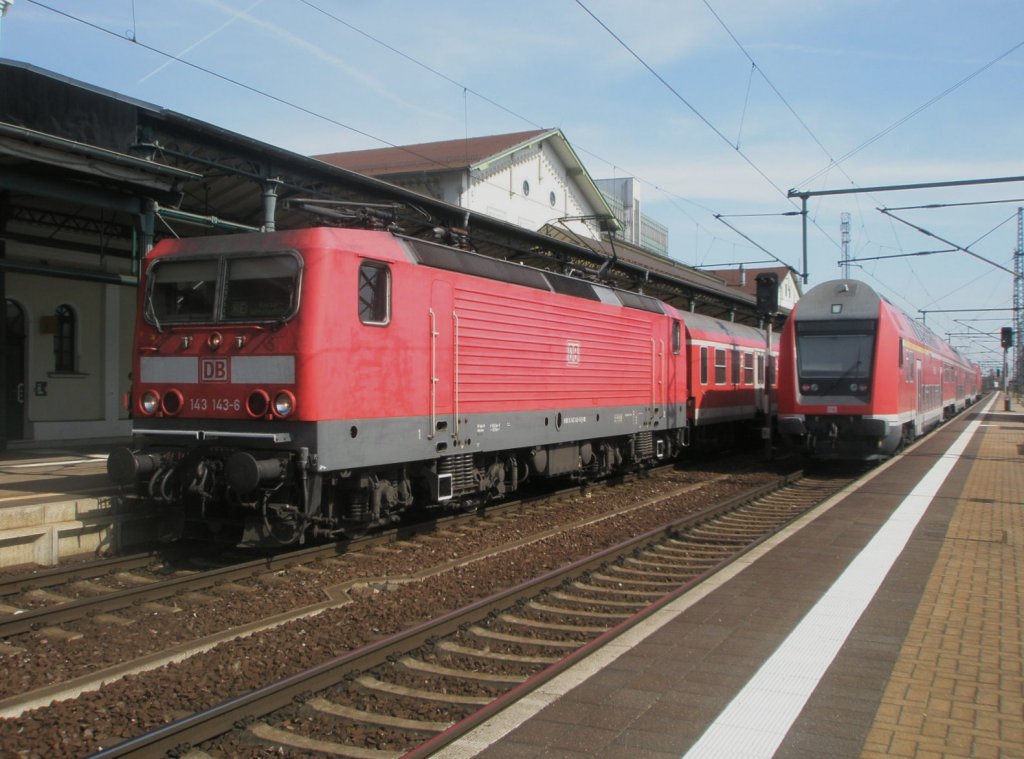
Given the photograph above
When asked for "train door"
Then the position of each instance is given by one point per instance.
(14, 371)
(675, 391)
(443, 367)
(921, 396)
(658, 378)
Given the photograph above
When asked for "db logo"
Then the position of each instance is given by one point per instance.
(213, 369)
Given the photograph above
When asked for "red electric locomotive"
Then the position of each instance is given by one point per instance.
(314, 383)
(859, 378)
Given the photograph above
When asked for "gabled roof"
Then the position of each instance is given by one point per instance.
(733, 277)
(445, 155)
(466, 155)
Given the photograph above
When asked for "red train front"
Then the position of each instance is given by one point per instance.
(859, 378)
(317, 382)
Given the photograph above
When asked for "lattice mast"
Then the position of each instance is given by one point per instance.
(1018, 303)
(844, 231)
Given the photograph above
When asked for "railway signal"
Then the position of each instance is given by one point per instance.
(1006, 341)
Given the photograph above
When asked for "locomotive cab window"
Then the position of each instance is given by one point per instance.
(182, 291)
(260, 288)
(374, 293)
(233, 288)
(677, 338)
(703, 365)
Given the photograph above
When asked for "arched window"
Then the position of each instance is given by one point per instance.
(64, 339)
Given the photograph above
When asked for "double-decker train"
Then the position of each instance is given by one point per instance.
(858, 378)
(314, 383)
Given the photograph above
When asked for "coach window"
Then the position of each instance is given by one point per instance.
(720, 375)
(748, 368)
(760, 369)
(704, 365)
(374, 293)
(735, 366)
(677, 338)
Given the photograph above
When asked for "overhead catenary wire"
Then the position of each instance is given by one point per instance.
(962, 248)
(248, 87)
(283, 101)
(696, 112)
(133, 38)
(475, 93)
(901, 121)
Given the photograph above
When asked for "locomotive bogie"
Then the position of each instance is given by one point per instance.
(845, 436)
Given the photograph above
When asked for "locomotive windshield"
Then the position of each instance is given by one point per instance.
(836, 350)
(237, 288)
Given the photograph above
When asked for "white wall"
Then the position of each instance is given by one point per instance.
(532, 188)
(85, 403)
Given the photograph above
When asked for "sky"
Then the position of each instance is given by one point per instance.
(719, 108)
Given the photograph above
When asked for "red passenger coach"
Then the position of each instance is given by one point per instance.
(859, 378)
(314, 383)
(726, 377)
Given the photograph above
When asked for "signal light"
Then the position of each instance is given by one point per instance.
(767, 293)
(1006, 337)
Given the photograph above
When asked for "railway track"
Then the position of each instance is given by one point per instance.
(117, 599)
(413, 692)
(49, 598)
(46, 599)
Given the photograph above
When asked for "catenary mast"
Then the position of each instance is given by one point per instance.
(1018, 302)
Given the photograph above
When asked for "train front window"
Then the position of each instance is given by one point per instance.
(182, 291)
(835, 350)
(260, 288)
(231, 288)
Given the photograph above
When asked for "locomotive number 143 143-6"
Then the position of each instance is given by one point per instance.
(214, 404)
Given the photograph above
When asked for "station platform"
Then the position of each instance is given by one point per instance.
(56, 501)
(887, 623)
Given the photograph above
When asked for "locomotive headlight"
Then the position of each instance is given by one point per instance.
(150, 402)
(257, 404)
(173, 402)
(214, 340)
(853, 387)
(284, 403)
